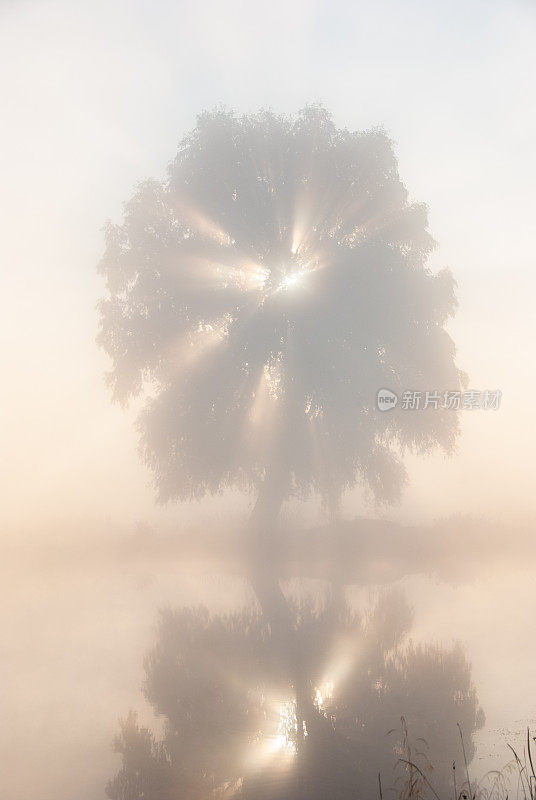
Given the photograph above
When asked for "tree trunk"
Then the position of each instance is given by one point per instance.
(264, 567)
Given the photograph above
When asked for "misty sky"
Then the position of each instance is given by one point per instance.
(96, 96)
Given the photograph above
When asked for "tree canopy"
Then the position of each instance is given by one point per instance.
(262, 294)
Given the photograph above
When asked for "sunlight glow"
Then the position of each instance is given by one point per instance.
(287, 728)
(279, 747)
(291, 280)
(323, 694)
(347, 654)
(259, 277)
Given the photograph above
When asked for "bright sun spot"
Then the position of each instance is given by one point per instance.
(287, 727)
(284, 738)
(323, 695)
(291, 280)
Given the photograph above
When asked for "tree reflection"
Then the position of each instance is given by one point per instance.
(219, 685)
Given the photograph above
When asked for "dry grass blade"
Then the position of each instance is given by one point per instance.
(421, 773)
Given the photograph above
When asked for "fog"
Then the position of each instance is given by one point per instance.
(436, 507)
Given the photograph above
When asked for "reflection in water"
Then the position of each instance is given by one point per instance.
(231, 719)
(287, 727)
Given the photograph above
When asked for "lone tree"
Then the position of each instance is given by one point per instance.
(260, 297)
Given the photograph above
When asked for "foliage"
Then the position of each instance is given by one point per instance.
(262, 295)
(146, 771)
